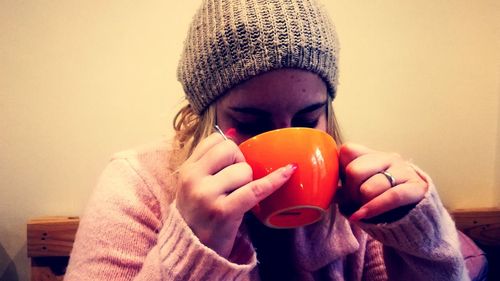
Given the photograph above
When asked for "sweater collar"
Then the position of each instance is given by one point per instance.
(322, 243)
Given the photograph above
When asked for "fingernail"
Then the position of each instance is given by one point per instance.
(359, 214)
(290, 169)
(230, 133)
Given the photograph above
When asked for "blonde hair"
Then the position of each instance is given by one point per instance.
(190, 128)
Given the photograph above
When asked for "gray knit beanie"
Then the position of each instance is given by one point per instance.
(230, 41)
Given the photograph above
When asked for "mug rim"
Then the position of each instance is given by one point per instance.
(287, 129)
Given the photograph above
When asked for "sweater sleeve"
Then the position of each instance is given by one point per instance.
(124, 235)
(423, 245)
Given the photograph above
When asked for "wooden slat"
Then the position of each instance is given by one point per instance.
(51, 236)
(482, 225)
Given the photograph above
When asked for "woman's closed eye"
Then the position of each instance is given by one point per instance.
(252, 128)
(305, 123)
(310, 116)
(255, 128)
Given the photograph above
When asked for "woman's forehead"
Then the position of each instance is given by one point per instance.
(284, 87)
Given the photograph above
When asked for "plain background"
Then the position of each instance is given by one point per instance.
(80, 80)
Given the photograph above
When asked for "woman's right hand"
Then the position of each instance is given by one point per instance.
(216, 189)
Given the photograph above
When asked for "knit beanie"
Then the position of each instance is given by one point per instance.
(231, 41)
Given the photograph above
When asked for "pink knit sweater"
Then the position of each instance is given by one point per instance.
(131, 230)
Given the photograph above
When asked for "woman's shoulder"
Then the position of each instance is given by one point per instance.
(151, 154)
(151, 163)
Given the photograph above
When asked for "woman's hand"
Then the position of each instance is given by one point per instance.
(366, 192)
(216, 189)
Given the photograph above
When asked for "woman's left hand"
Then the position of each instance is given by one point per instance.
(366, 192)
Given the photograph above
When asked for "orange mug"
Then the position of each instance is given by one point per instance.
(306, 196)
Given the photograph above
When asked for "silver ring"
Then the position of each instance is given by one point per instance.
(220, 131)
(390, 178)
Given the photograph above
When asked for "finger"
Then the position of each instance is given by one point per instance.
(367, 165)
(350, 151)
(401, 195)
(378, 183)
(232, 177)
(205, 145)
(219, 156)
(373, 187)
(351, 197)
(356, 173)
(247, 196)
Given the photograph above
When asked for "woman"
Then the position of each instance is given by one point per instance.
(178, 210)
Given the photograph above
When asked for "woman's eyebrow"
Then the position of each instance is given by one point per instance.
(312, 107)
(257, 111)
(250, 110)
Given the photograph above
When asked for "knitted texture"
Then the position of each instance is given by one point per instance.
(131, 230)
(230, 41)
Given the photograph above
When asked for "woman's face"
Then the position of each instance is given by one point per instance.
(277, 99)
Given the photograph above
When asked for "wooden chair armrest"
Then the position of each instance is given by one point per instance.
(49, 242)
(481, 225)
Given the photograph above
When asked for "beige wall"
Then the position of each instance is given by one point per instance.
(80, 80)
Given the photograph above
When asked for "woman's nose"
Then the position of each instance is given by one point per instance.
(284, 123)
